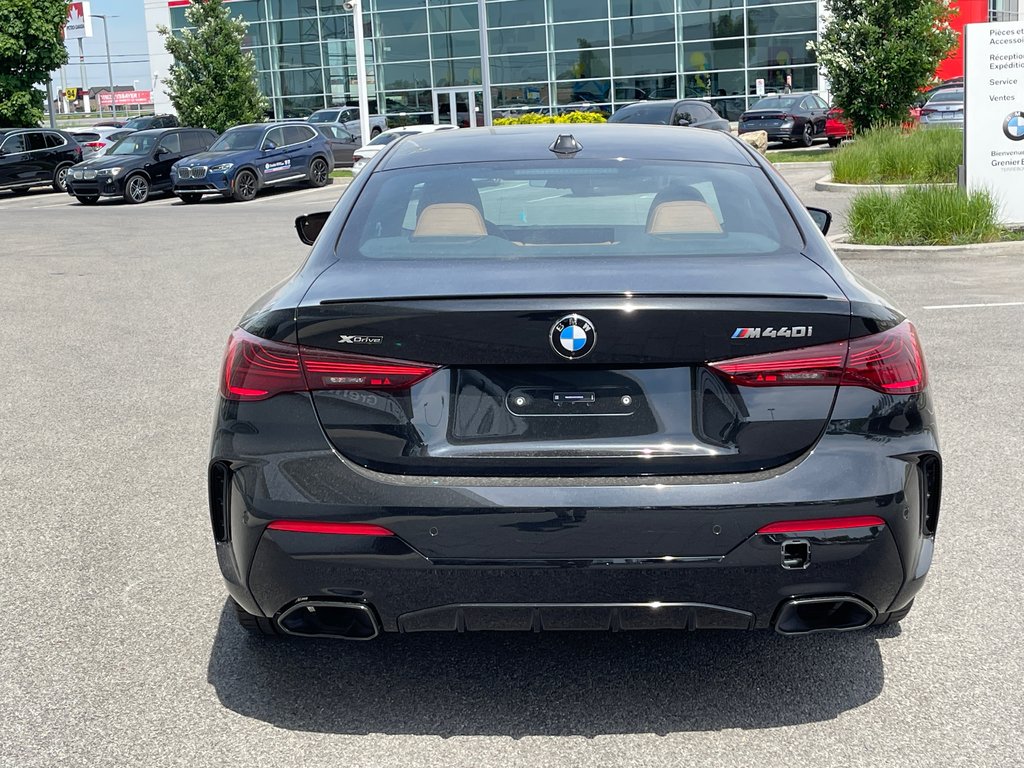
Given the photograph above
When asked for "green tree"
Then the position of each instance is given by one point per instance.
(878, 54)
(212, 83)
(31, 46)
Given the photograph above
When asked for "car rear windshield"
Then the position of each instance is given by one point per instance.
(777, 102)
(139, 123)
(387, 138)
(657, 114)
(612, 208)
(949, 94)
(239, 138)
(324, 117)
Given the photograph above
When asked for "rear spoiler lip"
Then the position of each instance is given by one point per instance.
(581, 295)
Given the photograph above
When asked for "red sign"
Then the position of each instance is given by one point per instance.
(126, 98)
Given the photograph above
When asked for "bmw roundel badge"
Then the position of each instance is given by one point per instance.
(573, 336)
(1013, 126)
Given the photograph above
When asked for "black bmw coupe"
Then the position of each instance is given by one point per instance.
(573, 377)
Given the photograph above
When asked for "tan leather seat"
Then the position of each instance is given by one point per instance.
(682, 217)
(450, 220)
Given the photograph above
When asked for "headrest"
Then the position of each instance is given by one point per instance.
(450, 220)
(682, 217)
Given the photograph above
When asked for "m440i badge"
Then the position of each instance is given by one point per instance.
(786, 332)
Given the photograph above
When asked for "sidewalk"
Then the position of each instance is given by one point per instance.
(801, 176)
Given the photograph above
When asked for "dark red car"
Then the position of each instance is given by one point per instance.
(838, 128)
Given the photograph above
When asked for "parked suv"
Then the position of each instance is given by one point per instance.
(247, 158)
(138, 165)
(147, 122)
(348, 118)
(35, 157)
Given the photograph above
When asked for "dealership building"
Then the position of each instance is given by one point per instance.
(424, 56)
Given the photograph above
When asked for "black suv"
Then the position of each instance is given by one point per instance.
(147, 122)
(35, 157)
(138, 165)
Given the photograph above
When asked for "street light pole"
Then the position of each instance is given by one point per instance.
(110, 69)
(356, 6)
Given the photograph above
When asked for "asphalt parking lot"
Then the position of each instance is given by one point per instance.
(118, 651)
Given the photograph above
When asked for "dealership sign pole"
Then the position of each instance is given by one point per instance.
(994, 114)
(78, 27)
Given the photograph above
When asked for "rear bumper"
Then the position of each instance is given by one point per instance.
(687, 553)
(776, 133)
(925, 123)
(409, 593)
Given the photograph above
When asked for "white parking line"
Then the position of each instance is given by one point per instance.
(974, 306)
(62, 204)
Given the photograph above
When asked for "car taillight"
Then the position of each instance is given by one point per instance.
(889, 362)
(94, 144)
(317, 526)
(927, 111)
(256, 369)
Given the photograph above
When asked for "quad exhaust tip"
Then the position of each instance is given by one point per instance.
(320, 618)
(840, 613)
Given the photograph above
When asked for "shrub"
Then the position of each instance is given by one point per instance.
(895, 156)
(879, 53)
(533, 118)
(924, 216)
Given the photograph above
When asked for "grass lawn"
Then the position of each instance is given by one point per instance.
(898, 156)
(926, 216)
(806, 156)
(342, 173)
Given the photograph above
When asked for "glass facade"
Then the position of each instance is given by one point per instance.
(549, 55)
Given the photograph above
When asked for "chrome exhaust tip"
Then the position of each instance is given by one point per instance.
(321, 618)
(837, 613)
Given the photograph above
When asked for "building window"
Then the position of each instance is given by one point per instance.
(644, 60)
(515, 13)
(592, 34)
(641, 7)
(585, 63)
(518, 40)
(650, 29)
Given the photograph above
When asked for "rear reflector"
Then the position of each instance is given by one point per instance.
(823, 524)
(255, 369)
(889, 362)
(344, 529)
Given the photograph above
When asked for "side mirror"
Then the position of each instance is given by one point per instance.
(822, 218)
(160, 152)
(308, 226)
(682, 121)
(269, 145)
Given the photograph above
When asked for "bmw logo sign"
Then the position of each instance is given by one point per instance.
(1013, 126)
(573, 336)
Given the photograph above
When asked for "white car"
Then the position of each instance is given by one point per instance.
(348, 118)
(362, 155)
(98, 139)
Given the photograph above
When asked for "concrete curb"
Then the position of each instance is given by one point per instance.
(845, 250)
(825, 184)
